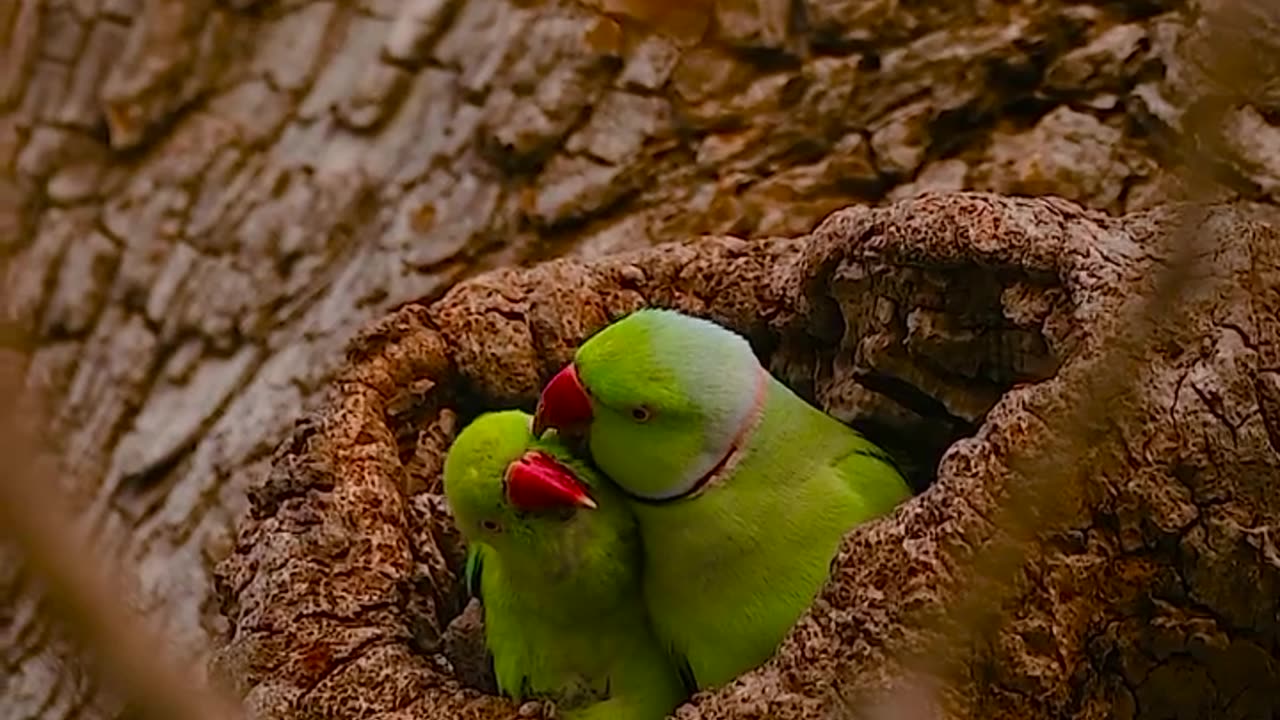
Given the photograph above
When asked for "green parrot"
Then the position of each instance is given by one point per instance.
(741, 489)
(554, 555)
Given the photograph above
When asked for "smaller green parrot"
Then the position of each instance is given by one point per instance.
(554, 555)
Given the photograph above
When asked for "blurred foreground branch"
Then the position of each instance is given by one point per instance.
(1045, 480)
(77, 583)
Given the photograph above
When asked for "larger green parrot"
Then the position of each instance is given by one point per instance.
(554, 555)
(742, 490)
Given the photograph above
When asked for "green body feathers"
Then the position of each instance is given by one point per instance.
(731, 571)
(560, 586)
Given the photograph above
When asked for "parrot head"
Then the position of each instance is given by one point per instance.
(663, 400)
(504, 490)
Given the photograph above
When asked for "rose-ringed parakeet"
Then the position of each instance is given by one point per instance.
(554, 555)
(741, 489)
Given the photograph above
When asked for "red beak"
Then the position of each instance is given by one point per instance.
(564, 405)
(537, 482)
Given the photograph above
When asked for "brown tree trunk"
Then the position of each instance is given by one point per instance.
(201, 202)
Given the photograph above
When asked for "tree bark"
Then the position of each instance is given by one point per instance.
(201, 202)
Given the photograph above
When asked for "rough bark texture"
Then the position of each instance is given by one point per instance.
(1154, 594)
(201, 201)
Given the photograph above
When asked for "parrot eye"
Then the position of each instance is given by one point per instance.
(490, 525)
(640, 413)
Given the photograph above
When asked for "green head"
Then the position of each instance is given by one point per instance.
(511, 492)
(663, 399)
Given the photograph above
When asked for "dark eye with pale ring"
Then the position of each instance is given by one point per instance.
(490, 525)
(641, 413)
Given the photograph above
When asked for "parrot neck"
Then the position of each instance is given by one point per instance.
(555, 581)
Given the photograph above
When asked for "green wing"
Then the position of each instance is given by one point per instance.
(874, 476)
(472, 571)
(685, 672)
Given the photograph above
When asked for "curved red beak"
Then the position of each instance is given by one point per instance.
(563, 405)
(537, 482)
